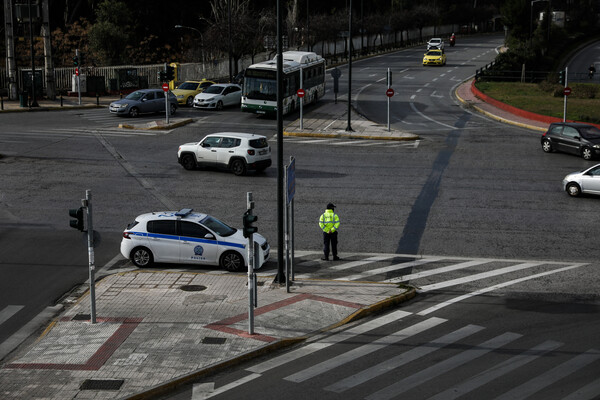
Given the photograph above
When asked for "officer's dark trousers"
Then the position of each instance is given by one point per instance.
(327, 239)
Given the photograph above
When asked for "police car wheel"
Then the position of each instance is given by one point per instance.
(141, 257)
(231, 261)
(238, 167)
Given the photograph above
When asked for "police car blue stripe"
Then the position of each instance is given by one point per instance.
(189, 239)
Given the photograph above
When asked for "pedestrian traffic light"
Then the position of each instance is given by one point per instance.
(78, 214)
(561, 77)
(75, 61)
(248, 220)
(170, 73)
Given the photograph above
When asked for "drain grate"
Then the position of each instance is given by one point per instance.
(102, 384)
(192, 288)
(82, 317)
(213, 340)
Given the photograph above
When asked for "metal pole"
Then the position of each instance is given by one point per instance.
(287, 236)
(280, 201)
(251, 280)
(349, 127)
(565, 96)
(388, 99)
(229, 19)
(301, 99)
(90, 234)
(78, 77)
(34, 102)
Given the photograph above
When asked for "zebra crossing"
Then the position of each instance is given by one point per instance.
(417, 367)
(345, 142)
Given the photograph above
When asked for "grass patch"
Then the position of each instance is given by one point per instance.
(546, 98)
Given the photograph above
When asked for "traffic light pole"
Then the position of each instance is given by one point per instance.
(565, 96)
(78, 78)
(251, 275)
(87, 203)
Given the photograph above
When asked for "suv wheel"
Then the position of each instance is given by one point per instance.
(238, 167)
(142, 257)
(231, 261)
(586, 153)
(188, 162)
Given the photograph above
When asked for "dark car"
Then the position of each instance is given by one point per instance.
(575, 138)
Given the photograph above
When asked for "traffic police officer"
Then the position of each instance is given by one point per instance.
(329, 223)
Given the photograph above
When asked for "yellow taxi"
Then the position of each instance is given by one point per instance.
(434, 57)
(186, 92)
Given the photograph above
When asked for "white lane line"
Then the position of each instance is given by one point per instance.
(442, 367)
(497, 371)
(8, 312)
(327, 341)
(402, 359)
(550, 377)
(476, 277)
(352, 355)
(436, 271)
(389, 268)
(590, 391)
(495, 287)
(412, 105)
(204, 391)
(28, 329)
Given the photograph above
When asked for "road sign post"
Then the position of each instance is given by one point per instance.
(389, 93)
(566, 92)
(301, 94)
(165, 88)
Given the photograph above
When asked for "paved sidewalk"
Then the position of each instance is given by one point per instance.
(156, 329)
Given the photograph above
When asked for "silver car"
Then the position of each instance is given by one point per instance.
(586, 181)
(143, 101)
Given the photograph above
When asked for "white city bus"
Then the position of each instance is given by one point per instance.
(260, 82)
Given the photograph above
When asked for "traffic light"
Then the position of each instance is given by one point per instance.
(248, 220)
(561, 77)
(170, 73)
(162, 76)
(76, 61)
(78, 214)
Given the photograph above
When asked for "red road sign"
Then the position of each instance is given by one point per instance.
(301, 93)
(567, 91)
(165, 87)
(389, 92)
(77, 71)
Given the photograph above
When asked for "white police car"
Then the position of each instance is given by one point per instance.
(188, 237)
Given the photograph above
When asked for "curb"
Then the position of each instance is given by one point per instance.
(155, 125)
(349, 136)
(51, 108)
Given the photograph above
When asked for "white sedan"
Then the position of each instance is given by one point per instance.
(586, 181)
(218, 96)
(435, 43)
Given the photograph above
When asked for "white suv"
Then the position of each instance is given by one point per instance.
(238, 152)
(187, 237)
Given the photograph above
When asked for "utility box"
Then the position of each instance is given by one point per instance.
(82, 82)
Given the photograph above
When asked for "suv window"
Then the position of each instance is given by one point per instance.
(259, 143)
(163, 227)
(212, 141)
(191, 229)
(230, 142)
(571, 132)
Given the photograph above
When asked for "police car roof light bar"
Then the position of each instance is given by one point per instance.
(184, 212)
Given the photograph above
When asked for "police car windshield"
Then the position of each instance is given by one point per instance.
(217, 226)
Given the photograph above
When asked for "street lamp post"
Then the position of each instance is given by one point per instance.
(198, 32)
(349, 127)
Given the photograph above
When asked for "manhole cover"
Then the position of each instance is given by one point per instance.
(192, 288)
(101, 384)
(213, 340)
(82, 317)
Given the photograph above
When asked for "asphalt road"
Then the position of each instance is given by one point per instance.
(470, 188)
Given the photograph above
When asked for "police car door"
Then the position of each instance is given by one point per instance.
(163, 240)
(196, 245)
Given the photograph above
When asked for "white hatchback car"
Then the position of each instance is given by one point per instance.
(187, 237)
(218, 96)
(586, 181)
(238, 152)
(435, 43)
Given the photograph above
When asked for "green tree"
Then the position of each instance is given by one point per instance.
(109, 35)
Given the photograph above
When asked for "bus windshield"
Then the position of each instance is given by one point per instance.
(260, 88)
